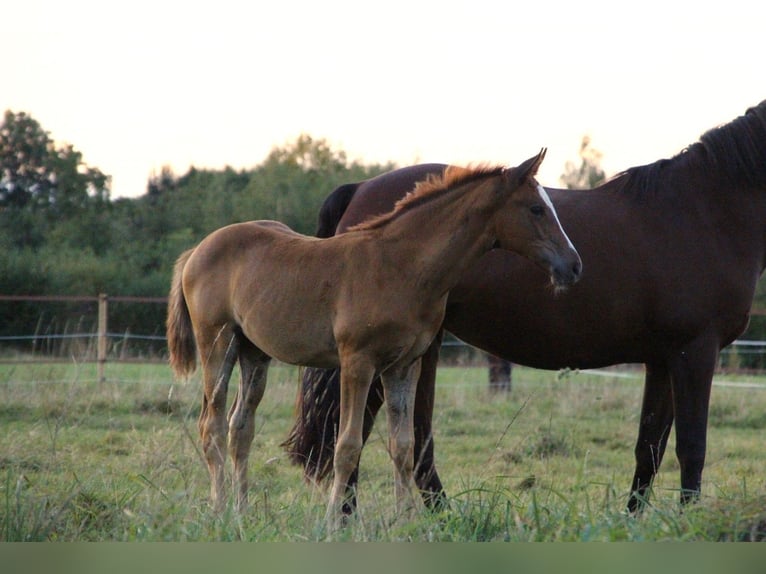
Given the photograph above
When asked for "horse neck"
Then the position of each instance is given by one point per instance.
(441, 238)
(734, 213)
(741, 223)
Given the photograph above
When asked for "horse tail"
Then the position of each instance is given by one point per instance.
(311, 441)
(181, 344)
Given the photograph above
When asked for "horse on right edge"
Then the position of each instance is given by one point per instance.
(673, 252)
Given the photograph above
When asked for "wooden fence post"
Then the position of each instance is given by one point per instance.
(102, 338)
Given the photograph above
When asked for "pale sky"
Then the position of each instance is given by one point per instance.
(138, 85)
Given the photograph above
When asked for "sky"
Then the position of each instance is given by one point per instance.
(135, 86)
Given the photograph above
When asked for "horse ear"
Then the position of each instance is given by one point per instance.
(528, 169)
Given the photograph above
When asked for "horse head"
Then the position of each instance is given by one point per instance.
(532, 228)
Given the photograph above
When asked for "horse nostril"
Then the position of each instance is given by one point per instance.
(577, 269)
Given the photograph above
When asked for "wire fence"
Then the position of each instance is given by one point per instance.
(86, 337)
(80, 333)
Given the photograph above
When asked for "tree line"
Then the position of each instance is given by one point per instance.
(61, 233)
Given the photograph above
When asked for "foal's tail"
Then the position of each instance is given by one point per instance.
(181, 344)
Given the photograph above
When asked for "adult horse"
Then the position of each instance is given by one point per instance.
(371, 301)
(673, 251)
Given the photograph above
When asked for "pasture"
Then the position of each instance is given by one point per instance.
(120, 461)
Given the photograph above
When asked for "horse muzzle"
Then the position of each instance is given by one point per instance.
(566, 271)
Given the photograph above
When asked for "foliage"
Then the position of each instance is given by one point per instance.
(38, 177)
(589, 173)
(61, 234)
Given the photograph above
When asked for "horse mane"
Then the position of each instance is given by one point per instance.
(734, 152)
(432, 187)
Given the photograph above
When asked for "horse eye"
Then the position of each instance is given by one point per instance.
(537, 210)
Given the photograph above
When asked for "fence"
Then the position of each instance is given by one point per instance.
(101, 334)
(95, 344)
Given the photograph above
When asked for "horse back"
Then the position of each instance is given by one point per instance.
(236, 259)
(374, 196)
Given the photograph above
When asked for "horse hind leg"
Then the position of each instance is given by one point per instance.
(253, 364)
(218, 353)
(692, 376)
(426, 475)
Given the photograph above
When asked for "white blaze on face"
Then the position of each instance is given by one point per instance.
(547, 200)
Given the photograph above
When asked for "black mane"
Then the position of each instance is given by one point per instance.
(734, 153)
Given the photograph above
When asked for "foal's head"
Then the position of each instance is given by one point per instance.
(529, 225)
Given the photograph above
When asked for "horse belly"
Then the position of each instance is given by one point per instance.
(528, 324)
(290, 333)
(295, 353)
(542, 346)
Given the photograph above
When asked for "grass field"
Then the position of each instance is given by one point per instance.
(120, 461)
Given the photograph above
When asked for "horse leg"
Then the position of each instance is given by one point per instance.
(692, 376)
(355, 379)
(654, 428)
(399, 387)
(253, 365)
(426, 476)
(374, 402)
(499, 374)
(218, 350)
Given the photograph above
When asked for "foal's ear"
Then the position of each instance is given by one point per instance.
(526, 170)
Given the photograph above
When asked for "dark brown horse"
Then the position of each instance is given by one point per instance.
(672, 254)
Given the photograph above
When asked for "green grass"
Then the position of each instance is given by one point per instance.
(82, 460)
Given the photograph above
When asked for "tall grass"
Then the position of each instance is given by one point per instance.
(120, 460)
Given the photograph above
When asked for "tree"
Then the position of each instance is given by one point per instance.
(589, 173)
(293, 181)
(308, 154)
(36, 174)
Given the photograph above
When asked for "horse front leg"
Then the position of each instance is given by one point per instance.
(355, 379)
(218, 356)
(253, 366)
(426, 476)
(692, 376)
(374, 402)
(399, 386)
(654, 428)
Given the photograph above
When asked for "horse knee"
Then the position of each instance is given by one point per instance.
(402, 448)
(347, 452)
(240, 440)
(212, 433)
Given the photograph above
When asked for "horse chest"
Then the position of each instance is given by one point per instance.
(390, 329)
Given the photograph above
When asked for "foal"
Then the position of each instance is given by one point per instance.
(369, 301)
